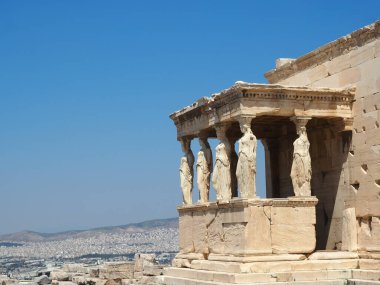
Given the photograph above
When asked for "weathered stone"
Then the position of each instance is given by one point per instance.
(258, 232)
(285, 238)
(366, 274)
(371, 264)
(152, 270)
(324, 264)
(349, 231)
(257, 258)
(180, 262)
(369, 234)
(42, 280)
(326, 255)
(75, 268)
(293, 215)
(142, 260)
(275, 266)
(59, 275)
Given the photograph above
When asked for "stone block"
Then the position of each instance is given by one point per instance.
(284, 277)
(369, 234)
(153, 270)
(75, 268)
(362, 54)
(223, 278)
(181, 262)
(373, 135)
(59, 275)
(293, 215)
(366, 274)
(368, 205)
(256, 258)
(328, 255)
(205, 275)
(372, 264)
(338, 64)
(234, 240)
(106, 273)
(144, 259)
(309, 275)
(233, 215)
(199, 232)
(189, 256)
(331, 81)
(349, 76)
(317, 73)
(349, 231)
(253, 278)
(218, 266)
(339, 264)
(266, 267)
(215, 234)
(180, 272)
(300, 78)
(186, 232)
(339, 274)
(286, 238)
(257, 236)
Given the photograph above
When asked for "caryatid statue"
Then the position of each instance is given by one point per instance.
(246, 166)
(186, 171)
(204, 169)
(301, 167)
(221, 177)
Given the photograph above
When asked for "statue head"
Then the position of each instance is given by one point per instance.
(245, 128)
(245, 124)
(301, 131)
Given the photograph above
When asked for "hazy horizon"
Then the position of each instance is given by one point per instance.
(86, 229)
(87, 88)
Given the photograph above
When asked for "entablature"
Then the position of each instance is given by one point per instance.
(269, 100)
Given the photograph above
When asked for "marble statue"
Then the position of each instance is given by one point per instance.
(246, 167)
(204, 169)
(186, 172)
(221, 177)
(301, 167)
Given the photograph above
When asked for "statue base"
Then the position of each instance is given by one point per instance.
(246, 227)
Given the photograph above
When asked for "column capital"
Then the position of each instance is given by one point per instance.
(221, 130)
(246, 119)
(300, 122)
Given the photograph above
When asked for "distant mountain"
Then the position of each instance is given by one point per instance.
(30, 236)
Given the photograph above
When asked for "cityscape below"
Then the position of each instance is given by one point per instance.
(24, 254)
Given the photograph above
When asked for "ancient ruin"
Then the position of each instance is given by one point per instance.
(318, 119)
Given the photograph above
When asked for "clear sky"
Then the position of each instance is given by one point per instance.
(86, 88)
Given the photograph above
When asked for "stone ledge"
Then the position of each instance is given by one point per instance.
(190, 276)
(327, 52)
(237, 203)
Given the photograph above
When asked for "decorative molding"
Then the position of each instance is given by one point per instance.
(325, 53)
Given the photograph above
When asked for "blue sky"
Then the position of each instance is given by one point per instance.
(86, 88)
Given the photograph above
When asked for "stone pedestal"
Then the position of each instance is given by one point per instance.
(245, 227)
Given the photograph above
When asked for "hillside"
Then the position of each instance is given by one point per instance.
(31, 236)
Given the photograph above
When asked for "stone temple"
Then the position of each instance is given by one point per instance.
(319, 121)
